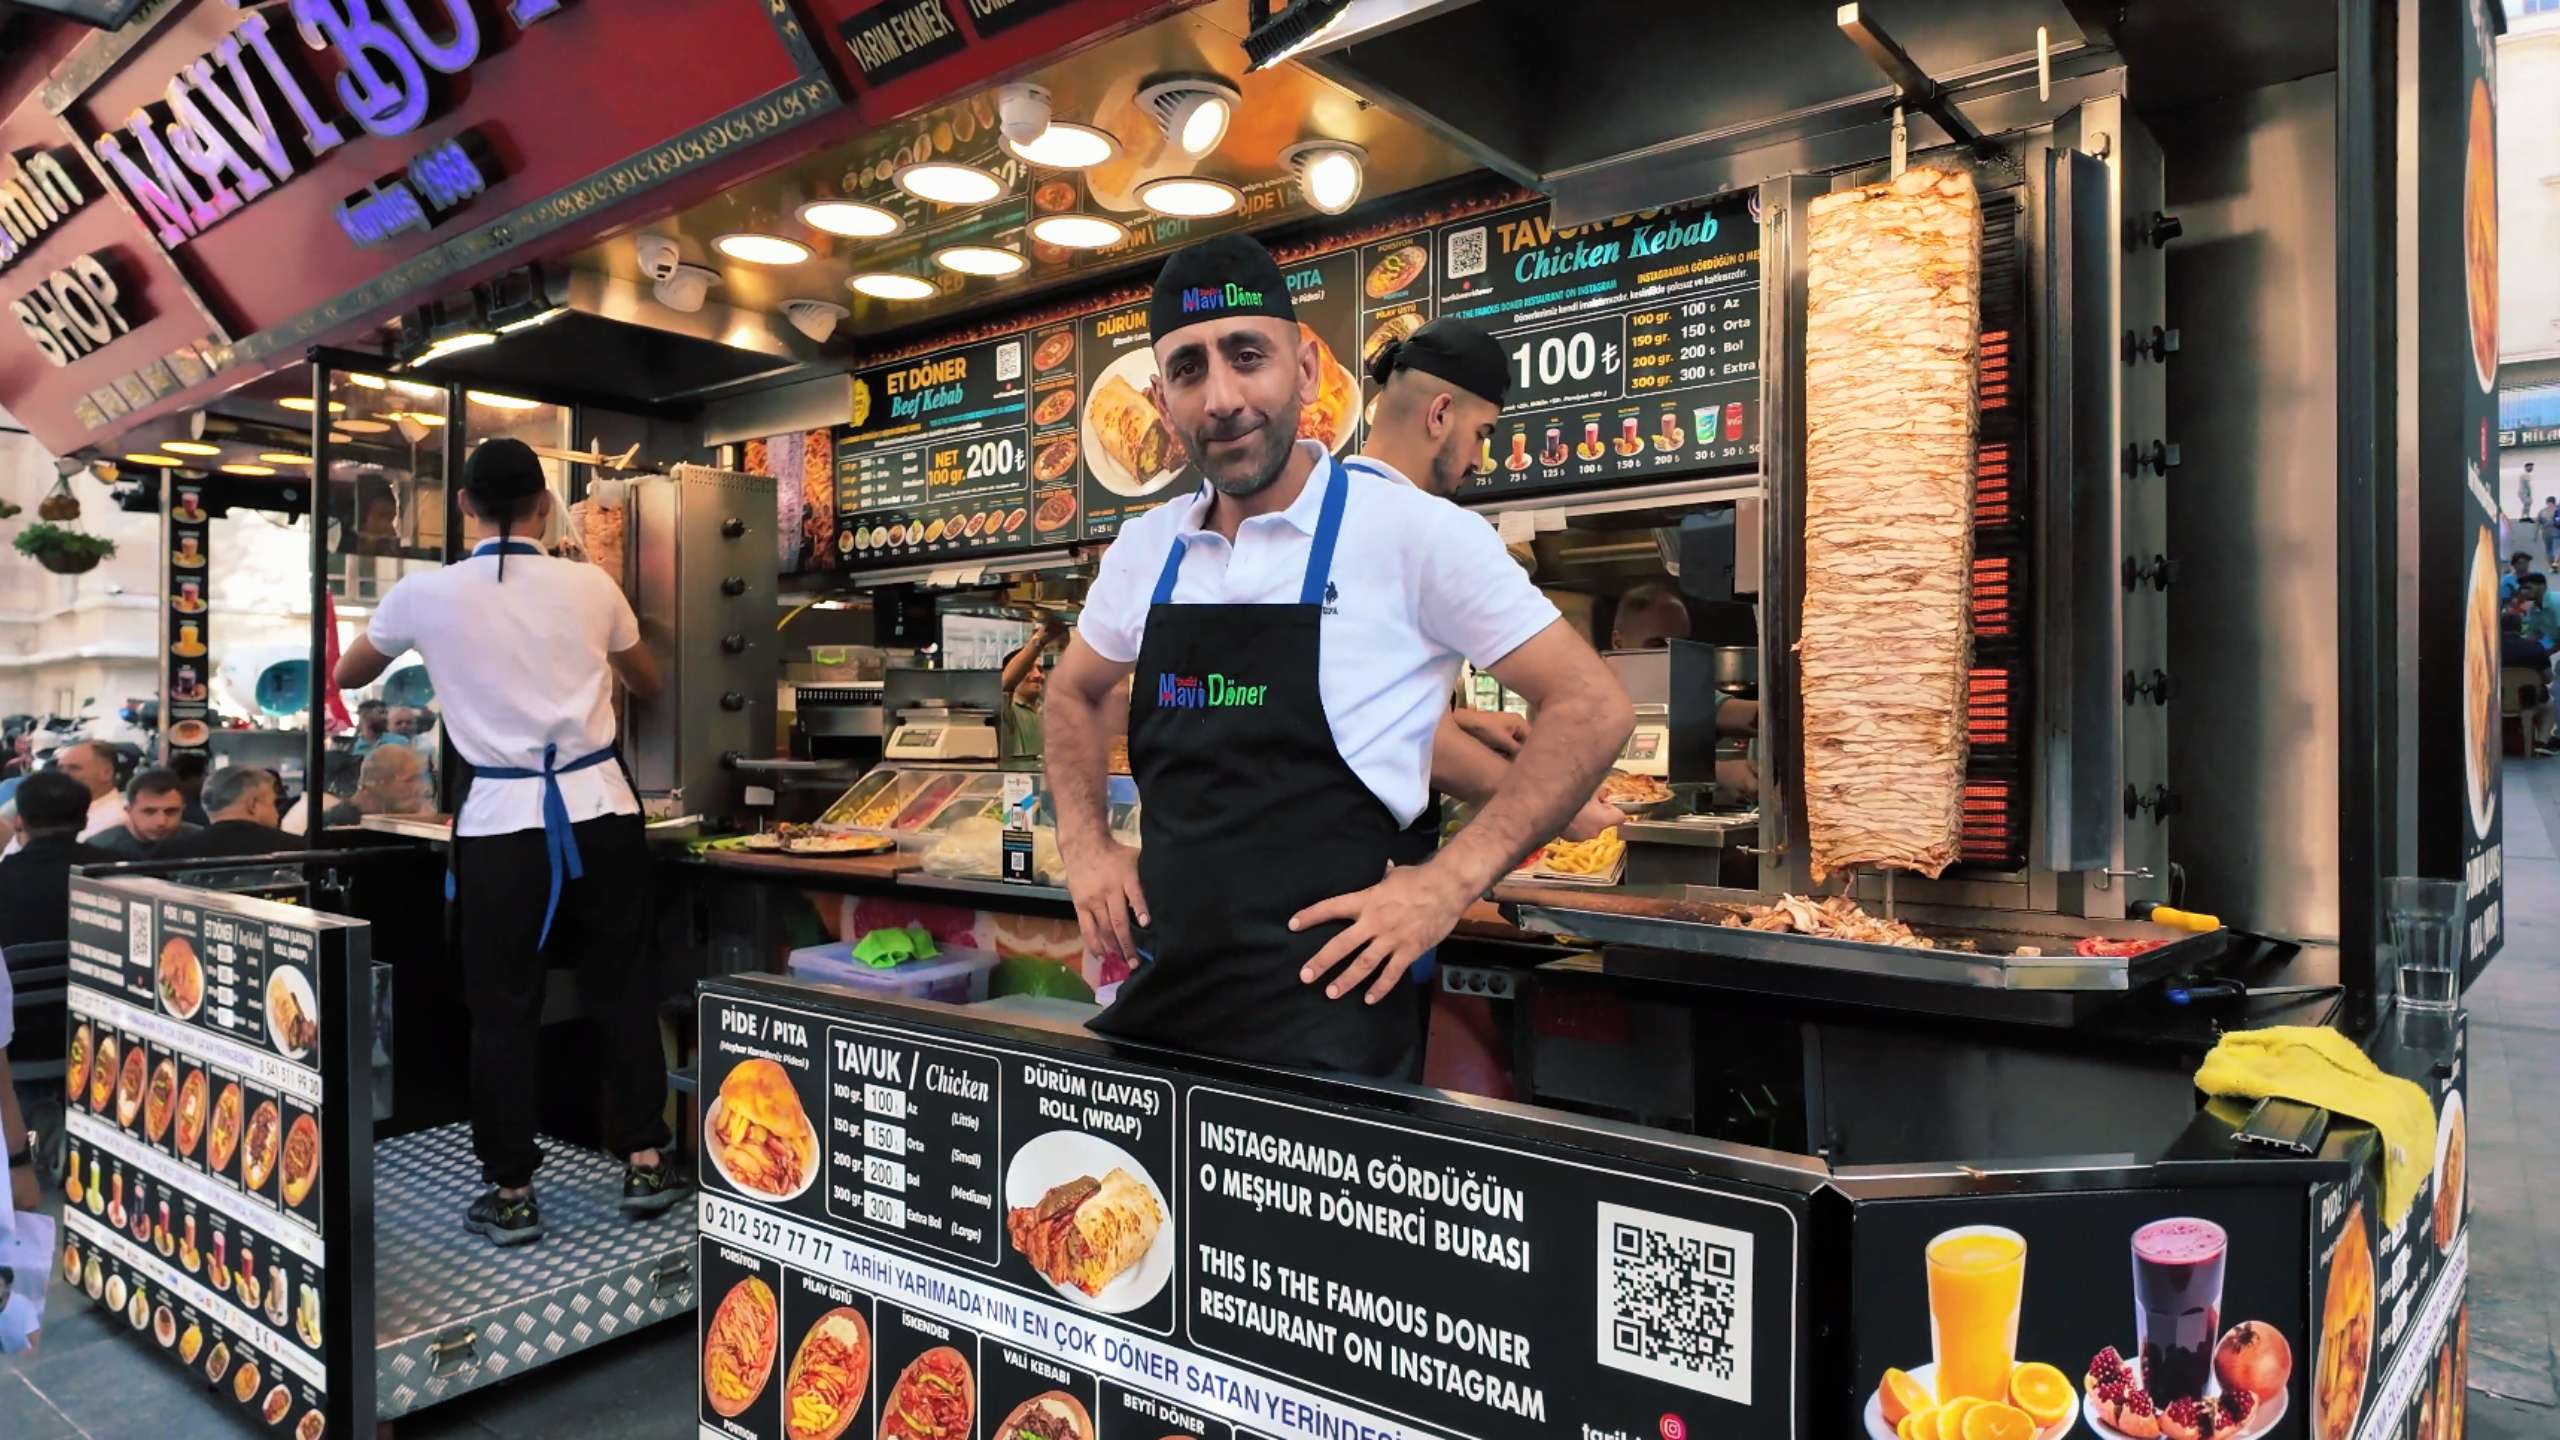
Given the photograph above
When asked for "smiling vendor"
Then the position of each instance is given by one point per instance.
(1294, 628)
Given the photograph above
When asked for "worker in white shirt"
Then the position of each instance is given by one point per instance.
(548, 851)
(1294, 628)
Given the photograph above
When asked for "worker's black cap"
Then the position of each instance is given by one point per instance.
(1458, 351)
(1219, 278)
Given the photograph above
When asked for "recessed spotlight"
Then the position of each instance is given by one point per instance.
(1329, 172)
(368, 382)
(419, 389)
(979, 260)
(364, 427)
(283, 457)
(760, 249)
(1066, 147)
(1078, 232)
(850, 218)
(887, 285)
(456, 344)
(242, 468)
(303, 404)
(149, 457)
(1189, 196)
(190, 447)
(1193, 109)
(946, 183)
(527, 323)
(496, 401)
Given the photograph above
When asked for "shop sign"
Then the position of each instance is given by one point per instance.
(2529, 435)
(220, 145)
(994, 17)
(74, 313)
(36, 194)
(888, 40)
(434, 186)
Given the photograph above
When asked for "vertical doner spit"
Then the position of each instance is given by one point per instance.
(1893, 322)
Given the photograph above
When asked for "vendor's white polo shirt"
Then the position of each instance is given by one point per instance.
(517, 665)
(1418, 585)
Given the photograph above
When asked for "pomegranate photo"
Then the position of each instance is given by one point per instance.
(2251, 1356)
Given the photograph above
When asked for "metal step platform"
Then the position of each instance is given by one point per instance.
(453, 1313)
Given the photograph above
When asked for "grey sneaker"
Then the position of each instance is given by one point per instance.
(653, 1189)
(505, 1220)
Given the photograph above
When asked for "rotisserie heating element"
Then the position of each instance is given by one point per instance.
(2004, 500)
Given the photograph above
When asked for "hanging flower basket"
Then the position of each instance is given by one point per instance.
(59, 505)
(64, 552)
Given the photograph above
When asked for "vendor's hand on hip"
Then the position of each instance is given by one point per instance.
(1102, 879)
(1390, 925)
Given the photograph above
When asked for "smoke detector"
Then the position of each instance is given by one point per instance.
(816, 319)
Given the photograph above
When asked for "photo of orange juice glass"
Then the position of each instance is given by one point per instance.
(1976, 1276)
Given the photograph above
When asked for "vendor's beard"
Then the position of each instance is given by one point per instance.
(1277, 435)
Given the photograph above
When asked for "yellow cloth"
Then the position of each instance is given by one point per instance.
(2319, 1066)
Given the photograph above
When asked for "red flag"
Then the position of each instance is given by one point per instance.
(339, 719)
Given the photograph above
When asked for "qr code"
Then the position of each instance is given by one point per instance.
(1466, 253)
(1674, 1301)
(1009, 360)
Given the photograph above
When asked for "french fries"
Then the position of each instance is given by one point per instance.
(1596, 856)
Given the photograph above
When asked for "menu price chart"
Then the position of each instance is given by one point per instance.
(937, 460)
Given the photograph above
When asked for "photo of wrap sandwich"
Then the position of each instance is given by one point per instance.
(1127, 447)
(758, 1133)
(1090, 1221)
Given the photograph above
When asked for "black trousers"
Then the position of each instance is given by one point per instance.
(601, 931)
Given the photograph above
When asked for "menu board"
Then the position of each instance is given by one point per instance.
(1634, 343)
(187, 627)
(937, 460)
(213, 1145)
(1635, 346)
(952, 1224)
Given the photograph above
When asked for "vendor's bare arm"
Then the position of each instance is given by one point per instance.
(360, 665)
(637, 669)
(1584, 717)
(1466, 766)
(1102, 873)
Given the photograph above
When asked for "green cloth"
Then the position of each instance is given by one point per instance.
(1018, 730)
(894, 945)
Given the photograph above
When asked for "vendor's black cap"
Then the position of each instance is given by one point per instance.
(1219, 278)
(1466, 355)
(502, 469)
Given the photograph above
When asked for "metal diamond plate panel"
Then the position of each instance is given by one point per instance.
(453, 1312)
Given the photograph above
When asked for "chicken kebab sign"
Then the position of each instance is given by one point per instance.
(985, 1231)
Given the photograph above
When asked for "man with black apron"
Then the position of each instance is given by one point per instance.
(548, 853)
(1294, 627)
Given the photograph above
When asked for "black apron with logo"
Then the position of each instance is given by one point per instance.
(1250, 814)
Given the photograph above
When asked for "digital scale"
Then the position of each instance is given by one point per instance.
(942, 732)
(1648, 747)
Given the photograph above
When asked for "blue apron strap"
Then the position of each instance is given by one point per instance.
(1328, 528)
(559, 840)
(1171, 572)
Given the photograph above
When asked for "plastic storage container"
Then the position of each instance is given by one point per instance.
(954, 977)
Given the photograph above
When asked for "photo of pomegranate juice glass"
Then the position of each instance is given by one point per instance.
(2177, 1304)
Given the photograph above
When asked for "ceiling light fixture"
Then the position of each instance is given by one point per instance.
(888, 285)
(852, 219)
(1306, 25)
(283, 457)
(980, 260)
(455, 345)
(1022, 112)
(527, 323)
(685, 287)
(147, 457)
(364, 427)
(423, 417)
(946, 182)
(366, 382)
(496, 401)
(302, 403)
(1078, 232)
(190, 447)
(756, 248)
(1330, 172)
(419, 389)
(1193, 109)
(1066, 147)
(243, 468)
(1189, 197)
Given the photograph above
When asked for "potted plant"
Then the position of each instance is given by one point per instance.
(61, 504)
(63, 551)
